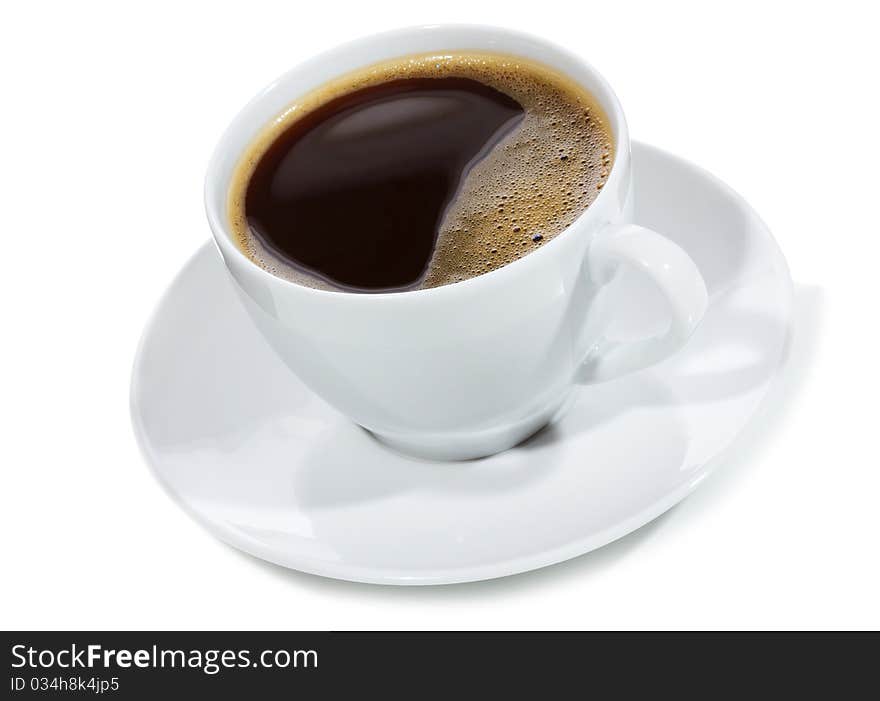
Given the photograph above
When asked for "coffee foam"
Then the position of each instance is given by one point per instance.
(524, 193)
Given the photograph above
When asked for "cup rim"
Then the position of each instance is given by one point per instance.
(609, 101)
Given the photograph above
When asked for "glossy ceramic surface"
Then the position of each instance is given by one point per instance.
(270, 468)
(465, 370)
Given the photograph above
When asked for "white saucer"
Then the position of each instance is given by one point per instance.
(271, 469)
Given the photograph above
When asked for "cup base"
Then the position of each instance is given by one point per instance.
(459, 447)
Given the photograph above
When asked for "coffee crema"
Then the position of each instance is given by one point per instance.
(419, 172)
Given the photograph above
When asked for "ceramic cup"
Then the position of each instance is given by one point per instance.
(469, 369)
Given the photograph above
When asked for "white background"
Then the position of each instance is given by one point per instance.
(110, 113)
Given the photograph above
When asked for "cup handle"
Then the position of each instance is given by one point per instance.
(676, 277)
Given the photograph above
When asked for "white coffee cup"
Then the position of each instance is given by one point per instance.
(470, 369)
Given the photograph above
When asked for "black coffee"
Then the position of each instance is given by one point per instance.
(420, 172)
